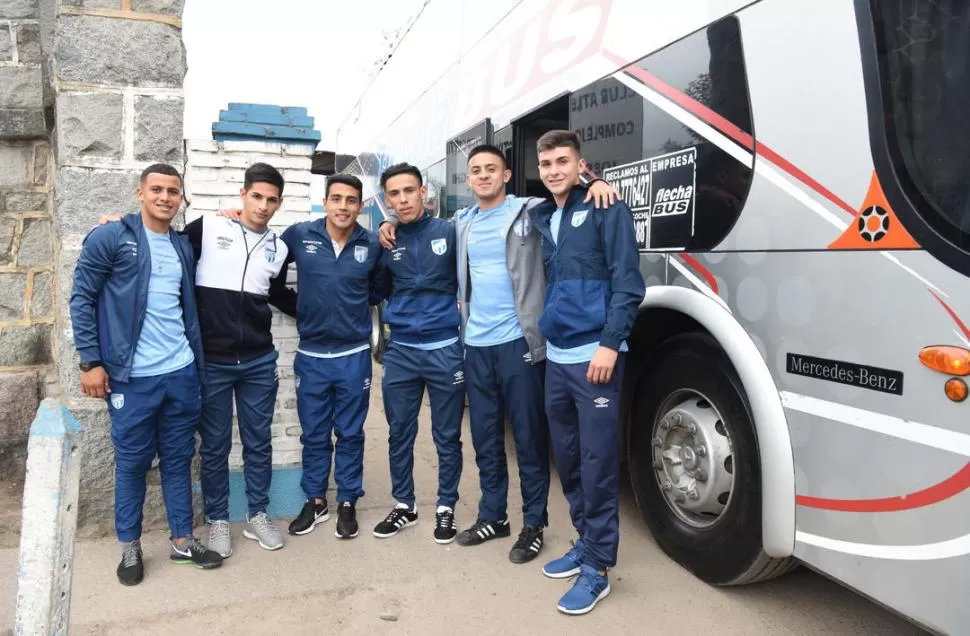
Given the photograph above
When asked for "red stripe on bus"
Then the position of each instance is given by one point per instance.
(701, 111)
(953, 314)
(946, 489)
(703, 271)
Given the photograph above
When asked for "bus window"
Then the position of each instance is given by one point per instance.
(434, 179)
(924, 76)
(457, 193)
(503, 139)
(685, 190)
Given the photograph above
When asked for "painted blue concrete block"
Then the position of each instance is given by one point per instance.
(222, 131)
(274, 119)
(286, 124)
(269, 109)
(286, 498)
(53, 419)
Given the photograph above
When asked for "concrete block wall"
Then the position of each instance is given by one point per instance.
(214, 177)
(26, 248)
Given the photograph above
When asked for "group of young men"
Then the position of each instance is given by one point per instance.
(172, 326)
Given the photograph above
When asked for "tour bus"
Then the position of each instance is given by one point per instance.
(798, 174)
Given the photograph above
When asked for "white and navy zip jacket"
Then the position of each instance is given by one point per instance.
(240, 272)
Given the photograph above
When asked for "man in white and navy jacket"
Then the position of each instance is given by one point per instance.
(240, 272)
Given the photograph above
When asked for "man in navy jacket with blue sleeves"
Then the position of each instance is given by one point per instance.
(336, 263)
(137, 332)
(424, 349)
(593, 290)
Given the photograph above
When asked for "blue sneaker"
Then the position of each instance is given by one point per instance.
(590, 588)
(567, 565)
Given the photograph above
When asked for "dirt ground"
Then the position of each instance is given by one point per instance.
(410, 585)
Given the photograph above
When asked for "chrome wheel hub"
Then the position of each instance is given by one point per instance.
(693, 458)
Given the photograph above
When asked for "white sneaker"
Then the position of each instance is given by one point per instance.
(261, 528)
(220, 539)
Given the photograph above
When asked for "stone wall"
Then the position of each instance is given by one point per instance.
(90, 94)
(26, 247)
(213, 178)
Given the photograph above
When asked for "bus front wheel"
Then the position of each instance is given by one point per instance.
(694, 464)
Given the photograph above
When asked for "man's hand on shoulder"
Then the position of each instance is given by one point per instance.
(108, 218)
(232, 213)
(387, 235)
(602, 194)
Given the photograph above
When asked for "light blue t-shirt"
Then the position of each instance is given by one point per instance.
(430, 346)
(491, 311)
(575, 355)
(162, 346)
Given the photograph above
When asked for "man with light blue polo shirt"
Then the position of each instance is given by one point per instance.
(137, 332)
(593, 292)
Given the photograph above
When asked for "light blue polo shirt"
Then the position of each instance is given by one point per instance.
(492, 319)
(162, 346)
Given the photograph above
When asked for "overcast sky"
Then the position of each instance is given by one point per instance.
(310, 53)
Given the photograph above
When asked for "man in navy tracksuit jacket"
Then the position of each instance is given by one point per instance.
(136, 330)
(336, 263)
(424, 349)
(593, 290)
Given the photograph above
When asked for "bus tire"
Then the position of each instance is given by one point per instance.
(694, 463)
(378, 336)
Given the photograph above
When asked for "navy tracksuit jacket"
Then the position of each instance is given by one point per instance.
(149, 415)
(333, 363)
(593, 290)
(422, 313)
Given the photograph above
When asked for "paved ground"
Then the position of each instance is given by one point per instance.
(410, 585)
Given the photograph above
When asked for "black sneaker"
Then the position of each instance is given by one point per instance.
(131, 570)
(310, 516)
(195, 553)
(484, 531)
(527, 546)
(445, 528)
(346, 520)
(399, 519)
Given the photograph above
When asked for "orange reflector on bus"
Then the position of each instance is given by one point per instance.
(956, 389)
(945, 359)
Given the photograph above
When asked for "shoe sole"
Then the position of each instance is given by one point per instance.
(388, 536)
(475, 540)
(528, 559)
(346, 536)
(209, 566)
(312, 525)
(131, 583)
(250, 535)
(444, 541)
(561, 575)
(224, 556)
(586, 610)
